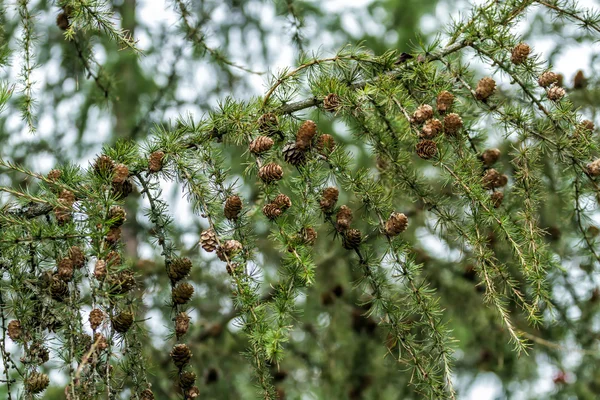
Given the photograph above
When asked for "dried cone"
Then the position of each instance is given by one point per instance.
(181, 355)
(293, 155)
(117, 215)
(520, 53)
(208, 240)
(146, 395)
(38, 353)
(155, 161)
(113, 235)
(65, 269)
(305, 135)
(121, 173)
(77, 256)
(233, 207)
(270, 173)
(452, 124)
(59, 290)
(282, 201)
(588, 125)
(485, 88)
(352, 239)
(179, 268)
(492, 179)
(187, 379)
(101, 342)
(14, 330)
(104, 165)
(579, 81)
(113, 259)
(96, 317)
(121, 282)
(100, 269)
(497, 198)
(268, 123)
(593, 168)
(54, 175)
(308, 235)
(66, 198)
(423, 113)
(396, 224)
(547, 79)
(37, 382)
(271, 211)
(490, 156)
(325, 144)
(261, 145)
(62, 21)
(331, 102)
(426, 149)
(431, 129)
(343, 218)
(122, 322)
(182, 324)
(328, 199)
(182, 293)
(229, 249)
(555, 93)
(444, 101)
(122, 190)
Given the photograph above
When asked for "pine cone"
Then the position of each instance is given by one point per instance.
(62, 21)
(261, 145)
(331, 102)
(293, 155)
(328, 199)
(113, 259)
(182, 293)
(155, 161)
(77, 256)
(179, 268)
(230, 248)
(65, 269)
(431, 129)
(579, 81)
(271, 211)
(100, 269)
(325, 144)
(444, 101)
(104, 165)
(182, 324)
(587, 125)
(305, 135)
(37, 353)
(208, 240)
(37, 382)
(308, 235)
(113, 235)
(121, 282)
(122, 322)
(121, 173)
(485, 88)
(490, 156)
(96, 317)
(593, 168)
(268, 124)
(547, 79)
(492, 179)
(426, 149)
(122, 190)
(14, 330)
(54, 175)
(181, 355)
(343, 218)
(270, 173)
(193, 392)
(233, 206)
(59, 290)
(352, 239)
(422, 114)
(396, 224)
(520, 53)
(66, 198)
(116, 216)
(146, 395)
(101, 342)
(497, 198)
(282, 201)
(555, 93)
(452, 124)
(187, 379)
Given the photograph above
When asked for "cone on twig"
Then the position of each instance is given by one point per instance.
(182, 324)
(328, 199)
(352, 239)
(293, 155)
(261, 144)
(96, 317)
(122, 322)
(37, 382)
(305, 135)
(485, 88)
(182, 293)
(422, 114)
(270, 173)
(490, 156)
(452, 124)
(497, 198)
(547, 79)
(229, 249)
(208, 240)
(268, 124)
(179, 268)
(325, 144)
(331, 102)
(14, 330)
(155, 161)
(426, 149)
(555, 93)
(396, 224)
(233, 207)
(520, 53)
(444, 101)
(181, 355)
(431, 129)
(343, 218)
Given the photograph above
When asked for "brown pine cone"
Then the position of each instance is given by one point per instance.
(593, 168)
(96, 317)
(492, 179)
(104, 165)
(229, 249)
(100, 269)
(155, 161)
(431, 129)
(308, 235)
(444, 101)
(66, 198)
(293, 155)
(547, 79)
(187, 379)
(271, 211)
(37, 353)
(121, 173)
(343, 218)
(113, 259)
(555, 93)
(121, 282)
(146, 395)
(352, 239)
(579, 81)
(325, 144)
(54, 175)
(497, 198)
(59, 290)
(182, 293)
(36, 382)
(422, 114)
(181, 355)
(62, 21)
(65, 269)
(261, 145)
(101, 342)
(233, 206)
(485, 88)
(520, 53)
(328, 199)
(588, 125)
(113, 235)
(452, 124)
(208, 240)
(282, 201)
(305, 135)
(490, 156)
(396, 224)
(426, 149)
(179, 268)
(122, 322)
(122, 190)
(77, 256)
(270, 173)
(182, 324)
(331, 102)
(268, 124)
(116, 216)
(14, 330)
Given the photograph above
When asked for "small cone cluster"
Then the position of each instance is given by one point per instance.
(492, 179)
(261, 144)
(396, 224)
(444, 101)
(270, 173)
(182, 293)
(179, 268)
(520, 53)
(155, 161)
(208, 240)
(328, 199)
(233, 207)
(485, 88)
(279, 205)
